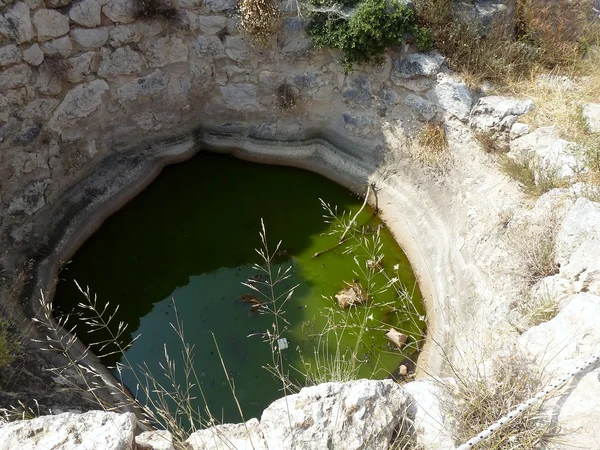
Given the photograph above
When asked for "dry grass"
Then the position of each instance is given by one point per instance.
(534, 247)
(533, 180)
(9, 344)
(479, 401)
(260, 19)
(538, 310)
(431, 145)
(490, 143)
(286, 97)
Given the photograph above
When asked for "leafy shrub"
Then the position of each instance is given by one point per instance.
(364, 33)
(9, 345)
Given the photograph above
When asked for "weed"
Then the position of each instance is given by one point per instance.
(9, 344)
(533, 179)
(260, 19)
(478, 401)
(539, 309)
(156, 9)
(286, 97)
(490, 143)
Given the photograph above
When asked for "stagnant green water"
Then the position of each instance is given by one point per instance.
(190, 238)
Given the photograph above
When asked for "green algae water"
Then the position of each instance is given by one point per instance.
(187, 243)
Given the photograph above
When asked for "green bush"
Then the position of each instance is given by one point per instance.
(364, 34)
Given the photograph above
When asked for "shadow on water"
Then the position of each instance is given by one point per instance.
(190, 238)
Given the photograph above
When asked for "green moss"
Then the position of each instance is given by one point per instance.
(373, 26)
(8, 345)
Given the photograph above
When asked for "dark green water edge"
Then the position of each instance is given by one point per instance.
(190, 239)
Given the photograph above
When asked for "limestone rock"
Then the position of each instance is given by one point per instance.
(358, 90)
(211, 24)
(80, 66)
(239, 49)
(418, 65)
(218, 5)
(61, 46)
(124, 34)
(68, 431)
(15, 23)
(241, 97)
(346, 416)
(452, 96)
(240, 436)
(428, 415)
(148, 85)
(424, 109)
(591, 115)
(9, 54)
(578, 246)
(57, 3)
(14, 77)
(518, 130)
(28, 201)
(122, 61)
(86, 13)
(50, 24)
(498, 114)
(34, 55)
(49, 80)
(40, 109)
(210, 46)
(154, 440)
(293, 40)
(79, 102)
(120, 11)
(163, 51)
(551, 154)
(88, 39)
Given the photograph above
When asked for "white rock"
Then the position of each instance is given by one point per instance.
(154, 440)
(424, 109)
(148, 85)
(497, 113)
(49, 24)
(49, 80)
(518, 130)
(61, 46)
(578, 246)
(15, 23)
(9, 54)
(429, 420)
(80, 66)
(120, 11)
(28, 201)
(92, 430)
(210, 46)
(34, 55)
(242, 97)
(86, 13)
(591, 114)
(163, 51)
(78, 103)
(346, 416)
(40, 109)
(124, 34)
(122, 61)
(452, 96)
(418, 65)
(88, 39)
(14, 77)
(239, 436)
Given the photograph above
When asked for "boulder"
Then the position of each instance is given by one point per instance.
(428, 416)
(57, 3)
(50, 77)
(418, 65)
(452, 96)
(78, 67)
(239, 49)
(86, 13)
(498, 114)
(9, 54)
(346, 416)
(422, 108)
(210, 46)
(154, 440)
(78, 103)
(211, 24)
(241, 436)
(69, 431)
(14, 77)
(518, 130)
(89, 39)
(50, 24)
(28, 201)
(39, 110)
(15, 23)
(122, 61)
(578, 246)
(215, 5)
(33, 55)
(124, 34)
(591, 115)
